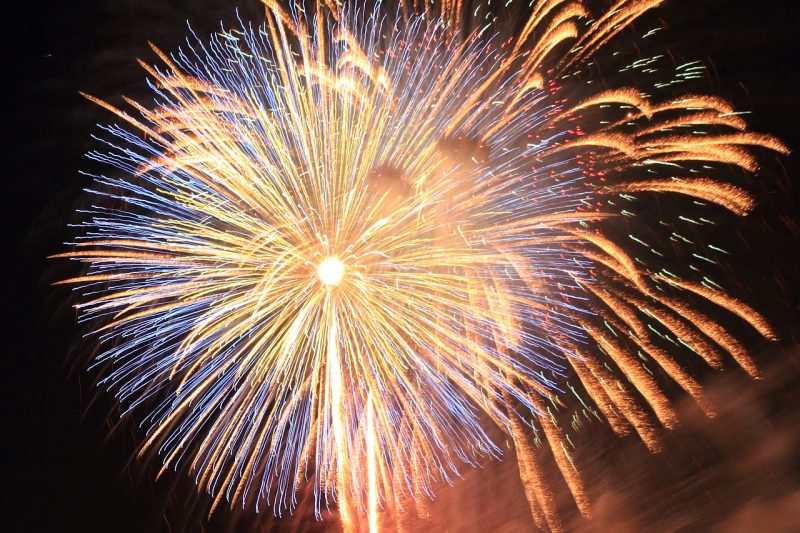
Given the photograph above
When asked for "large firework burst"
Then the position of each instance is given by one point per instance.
(345, 243)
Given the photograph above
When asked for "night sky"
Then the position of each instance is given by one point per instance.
(62, 472)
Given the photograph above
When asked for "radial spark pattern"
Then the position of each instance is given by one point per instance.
(343, 244)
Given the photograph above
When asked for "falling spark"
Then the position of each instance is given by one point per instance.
(372, 468)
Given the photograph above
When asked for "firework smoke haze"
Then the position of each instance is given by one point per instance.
(347, 246)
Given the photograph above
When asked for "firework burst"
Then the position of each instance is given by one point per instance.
(345, 243)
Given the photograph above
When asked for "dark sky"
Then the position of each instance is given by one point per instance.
(61, 473)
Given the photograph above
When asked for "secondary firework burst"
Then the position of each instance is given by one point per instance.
(344, 244)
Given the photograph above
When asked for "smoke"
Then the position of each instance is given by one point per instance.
(739, 471)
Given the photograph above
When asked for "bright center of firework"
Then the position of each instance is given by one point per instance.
(330, 271)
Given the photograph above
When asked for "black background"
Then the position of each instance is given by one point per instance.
(60, 472)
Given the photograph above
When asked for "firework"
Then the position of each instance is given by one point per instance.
(344, 244)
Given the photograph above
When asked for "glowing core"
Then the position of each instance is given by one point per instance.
(330, 271)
